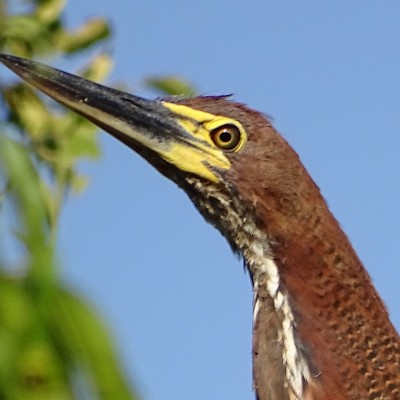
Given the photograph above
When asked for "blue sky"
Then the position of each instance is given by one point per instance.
(177, 300)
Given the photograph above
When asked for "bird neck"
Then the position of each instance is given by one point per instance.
(278, 354)
(311, 292)
(277, 351)
(314, 304)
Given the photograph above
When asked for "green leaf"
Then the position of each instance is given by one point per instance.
(25, 186)
(50, 11)
(85, 36)
(88, 342)
(98, 68)
(30, 365)
(28, 110)
(79, 138)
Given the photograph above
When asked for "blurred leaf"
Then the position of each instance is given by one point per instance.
(26, 187)
(99, 68)
(22, 27)
(25, 184)
(88, 342)
(80, 138)
(25, 35)
(15, 318)
(16, 311)
(49, 11)
(171, 85)
(41, 374)
(52, 342)
(30, 368)
(79, 183)
(28, 110)
(82, 144)
(85, 36)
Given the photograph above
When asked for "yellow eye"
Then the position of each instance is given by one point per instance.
(226, 137)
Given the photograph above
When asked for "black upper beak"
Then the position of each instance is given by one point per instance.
(132, 119)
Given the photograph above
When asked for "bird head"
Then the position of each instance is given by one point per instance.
(225, 156)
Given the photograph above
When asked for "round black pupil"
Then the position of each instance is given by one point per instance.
(225, 136)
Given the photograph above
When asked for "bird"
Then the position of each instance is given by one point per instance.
(320, 329)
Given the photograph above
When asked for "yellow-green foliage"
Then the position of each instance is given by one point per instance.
(50, 338)
(53, 344)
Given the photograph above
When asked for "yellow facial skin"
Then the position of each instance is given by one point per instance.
(199, 155)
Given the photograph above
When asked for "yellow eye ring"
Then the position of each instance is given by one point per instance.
(226, 137)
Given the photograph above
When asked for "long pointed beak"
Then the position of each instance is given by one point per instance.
(123, 115)
(152, 128)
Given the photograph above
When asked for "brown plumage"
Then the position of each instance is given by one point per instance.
(321, 331)
(340, 321)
